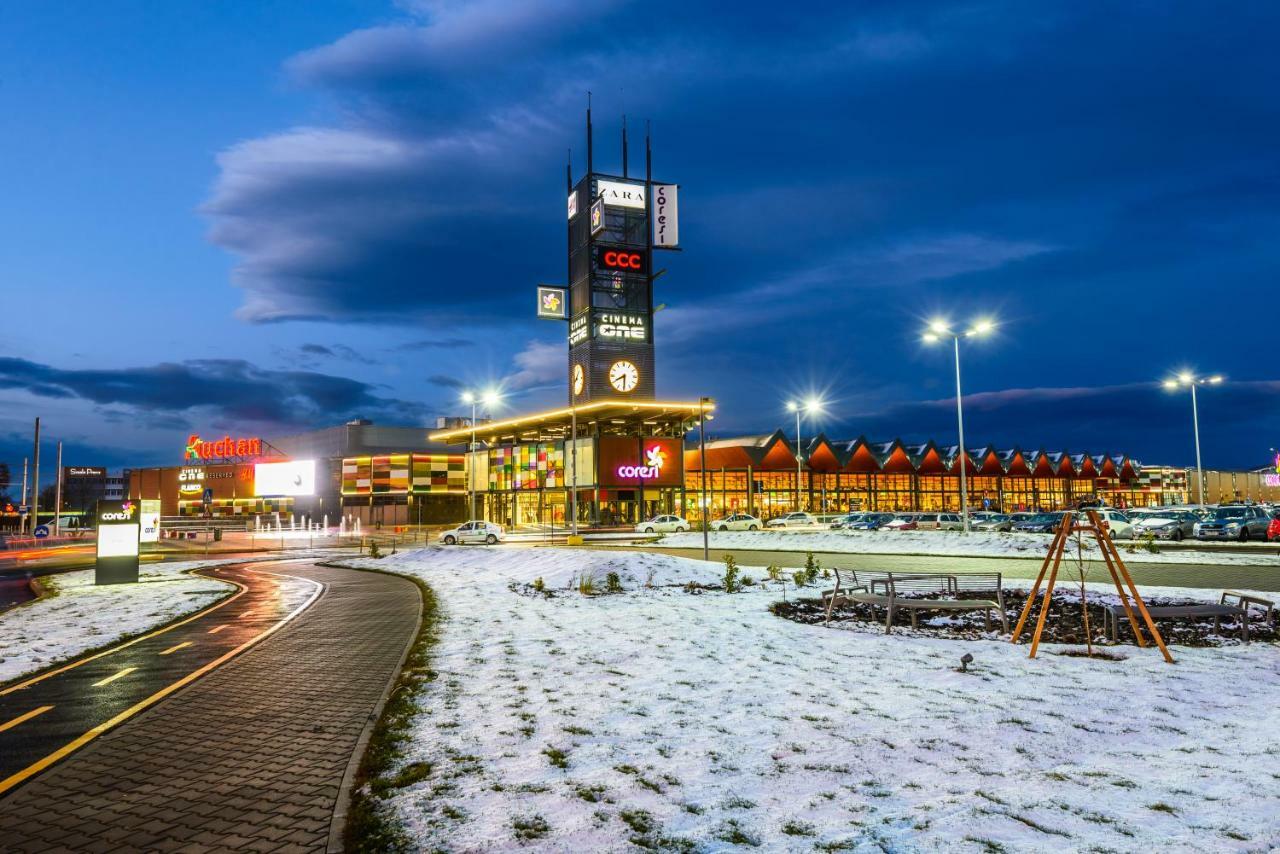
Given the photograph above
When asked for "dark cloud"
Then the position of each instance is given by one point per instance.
(236, 389)
(445, 382)
(436, 344)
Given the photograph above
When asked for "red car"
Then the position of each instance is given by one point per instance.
(1273, 530)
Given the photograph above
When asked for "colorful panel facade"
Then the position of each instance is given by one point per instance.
(398, 474)
(532, 466)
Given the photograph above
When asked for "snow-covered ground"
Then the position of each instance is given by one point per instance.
(82, 616)
(949, 544)
(699, 721)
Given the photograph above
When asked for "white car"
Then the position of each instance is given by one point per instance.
(1115, 522)
(488, 533)
(737, 522)
(793, 520)
(668, 524)
(939, 522)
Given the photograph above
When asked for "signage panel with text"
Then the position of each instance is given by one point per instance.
(119, 532)
(631, 461)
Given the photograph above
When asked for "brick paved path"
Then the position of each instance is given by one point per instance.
(250, 757)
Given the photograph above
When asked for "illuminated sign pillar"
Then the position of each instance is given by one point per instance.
(119, 535)
(615, 222)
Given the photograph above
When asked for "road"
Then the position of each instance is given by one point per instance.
(1206, 576)
(233, 727)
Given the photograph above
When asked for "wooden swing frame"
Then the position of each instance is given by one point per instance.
(1071, 523)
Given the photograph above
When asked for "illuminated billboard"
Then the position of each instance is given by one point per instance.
(118, 537)
(297, 477)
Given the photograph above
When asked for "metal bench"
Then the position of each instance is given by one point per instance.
(908, 591)
(1115, 615)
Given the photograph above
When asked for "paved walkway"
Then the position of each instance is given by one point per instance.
(249, 757)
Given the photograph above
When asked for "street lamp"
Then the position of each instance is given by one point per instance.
(489, 398)
(1190, 380)
(938, 330)
(810, 406)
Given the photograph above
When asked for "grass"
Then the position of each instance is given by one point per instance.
(556, 757)
(530, 827)
(370, 827)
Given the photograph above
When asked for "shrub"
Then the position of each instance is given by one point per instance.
(748, 581)
(374, 551)
(800, 577)
(539, 585)
(587, 584)
(811, 566)
(613, 583)
(731, 584)
(1149, 543)
(774, 572)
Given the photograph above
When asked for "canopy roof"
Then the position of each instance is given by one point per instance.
(603, 417)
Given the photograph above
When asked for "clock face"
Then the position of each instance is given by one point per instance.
(623, 376)
(579, 379)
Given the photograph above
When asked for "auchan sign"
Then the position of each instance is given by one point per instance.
(199, 449)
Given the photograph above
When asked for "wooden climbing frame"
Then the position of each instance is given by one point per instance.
(1072, 523)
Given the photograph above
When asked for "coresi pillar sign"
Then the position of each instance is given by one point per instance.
(119, 531)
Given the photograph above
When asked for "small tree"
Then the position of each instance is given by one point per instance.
(613, 583)
(731, 584)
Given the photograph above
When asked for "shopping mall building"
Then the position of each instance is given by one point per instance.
(616, 453)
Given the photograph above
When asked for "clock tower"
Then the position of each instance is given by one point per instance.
(611, 240)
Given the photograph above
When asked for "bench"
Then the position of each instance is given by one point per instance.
(1115, 614)
(1244, 600)
(908, 591)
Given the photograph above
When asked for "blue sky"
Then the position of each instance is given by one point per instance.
(248, 218)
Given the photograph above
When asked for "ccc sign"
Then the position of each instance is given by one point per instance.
(627, 260)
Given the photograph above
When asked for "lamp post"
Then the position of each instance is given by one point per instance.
(1190, 380)
(489, 398)
(810, 406)
(938, 330)
(702, 473)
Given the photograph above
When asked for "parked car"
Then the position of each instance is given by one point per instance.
(992, 522)
(737, 522)
(1039, 523)
(903, 522)
(793, 520)
(841, 522)
(666, 524)
(870, 522)
(476, 531)
(1115, 522)
(1235, 522)
(939, 522)
(1166, 524)
(1273, 530)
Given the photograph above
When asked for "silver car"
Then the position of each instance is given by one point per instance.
(1166, 524)
(992, 522)
(1241, 522)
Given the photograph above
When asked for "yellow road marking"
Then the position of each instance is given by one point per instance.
(74, 745)
(118, 675)
(197, 615)
(216, 629)
(246, 614)
(24, 718)
(176, 647)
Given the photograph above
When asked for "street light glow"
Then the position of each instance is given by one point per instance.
(930, 338)
(468, 397)
(1186, 377)
(1171, 384)
(792, 406)
(982, 327)
(491, 397)
(1215, 379)
(813, 404)
(939, 327)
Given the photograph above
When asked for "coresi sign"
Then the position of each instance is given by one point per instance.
(198, 449)
(619, 195)
(655, 458)
(666, 216)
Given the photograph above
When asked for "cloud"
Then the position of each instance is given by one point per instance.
(539, 363)
(235, 389)
(435, 344)
(445, 381)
